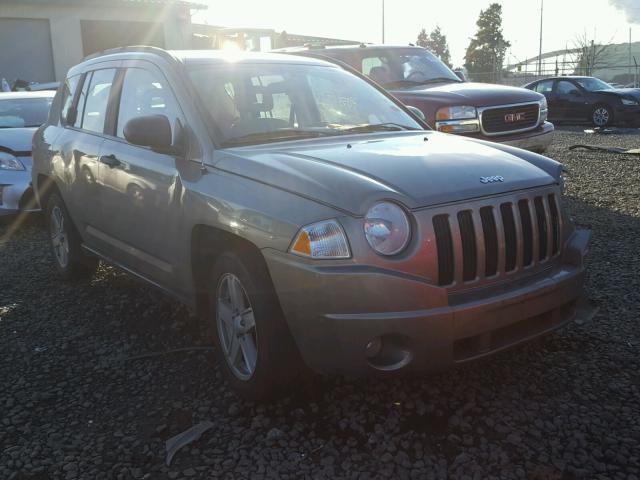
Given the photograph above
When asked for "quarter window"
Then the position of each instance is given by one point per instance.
(144, 93)
(97, 100)
(68, 92)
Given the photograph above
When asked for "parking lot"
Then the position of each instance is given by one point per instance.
(85, 396)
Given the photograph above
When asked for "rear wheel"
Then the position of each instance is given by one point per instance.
(602, 116)
(68, 257)
(254, 347)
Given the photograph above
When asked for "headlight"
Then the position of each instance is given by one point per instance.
(456, 113)
(387, 228)
(9, 162)
(544, 110)
(630, 102)
(457, 120)
(322, 240)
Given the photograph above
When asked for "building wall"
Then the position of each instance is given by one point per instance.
(66, 33)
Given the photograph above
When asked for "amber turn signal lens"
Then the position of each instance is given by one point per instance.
(303, 244)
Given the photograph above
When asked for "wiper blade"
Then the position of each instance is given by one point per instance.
(401, 83)
(442, 79)
(377, 127)
(275, 136)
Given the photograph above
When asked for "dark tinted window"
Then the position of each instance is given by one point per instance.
(97, 100)
(565, 88)
(145, 93)
(68, 91)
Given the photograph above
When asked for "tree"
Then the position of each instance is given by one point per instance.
(486, 51)
(436, 43)
(589, 55)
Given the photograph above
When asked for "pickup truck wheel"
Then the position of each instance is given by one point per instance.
(68, 257)
(253, 344)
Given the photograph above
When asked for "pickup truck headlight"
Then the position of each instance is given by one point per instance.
(461, 119)
(387, 228)
(544, 110)
(9, 162)
(322, 240)
(629, 102)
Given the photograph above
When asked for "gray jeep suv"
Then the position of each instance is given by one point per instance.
(305, 214)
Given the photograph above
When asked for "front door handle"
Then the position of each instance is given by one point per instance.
(110, 160)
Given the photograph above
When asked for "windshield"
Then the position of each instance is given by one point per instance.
(259, 103)
(24, 112)
(403, 67)
(593, 84)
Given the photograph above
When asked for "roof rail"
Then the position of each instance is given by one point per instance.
(133, 48)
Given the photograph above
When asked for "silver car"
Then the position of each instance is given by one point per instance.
(304, 213)
(21, 113)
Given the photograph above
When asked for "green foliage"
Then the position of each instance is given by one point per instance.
(486, 52)
(436, 43)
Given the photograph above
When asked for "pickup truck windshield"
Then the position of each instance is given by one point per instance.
(261, 102)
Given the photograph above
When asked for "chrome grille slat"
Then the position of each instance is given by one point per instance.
(493, 119)
(496, 238)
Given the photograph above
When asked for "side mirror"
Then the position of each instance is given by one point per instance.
(575, 93)
(460, 75)
(417, 112)
(152, 131)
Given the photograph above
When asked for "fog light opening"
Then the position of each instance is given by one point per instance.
(388, 352)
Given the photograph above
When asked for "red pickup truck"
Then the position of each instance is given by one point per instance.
(511, 115)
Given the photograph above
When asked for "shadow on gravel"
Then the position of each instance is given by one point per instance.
(560, 407)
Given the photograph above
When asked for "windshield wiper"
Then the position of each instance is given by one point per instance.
(377, 127)
(275, 136)
(441, 79)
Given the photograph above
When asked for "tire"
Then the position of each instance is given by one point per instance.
(70, 261)
(602, 116)
(264, 373)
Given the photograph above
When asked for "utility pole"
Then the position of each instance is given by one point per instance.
(540, 49)
(382, 21)
(629, 70)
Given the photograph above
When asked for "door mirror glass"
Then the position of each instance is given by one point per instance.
(417, 112)
(460, 75)
(152, 131)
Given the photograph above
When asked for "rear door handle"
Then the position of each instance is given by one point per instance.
(110, 160)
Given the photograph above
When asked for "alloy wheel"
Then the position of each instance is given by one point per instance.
(59, 237)
(236, 327)
(601, 116)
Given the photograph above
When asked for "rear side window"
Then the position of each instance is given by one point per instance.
(68, 92)
(546, 86)
(97, 100)
(144, 93)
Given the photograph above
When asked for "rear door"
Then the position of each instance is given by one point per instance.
(140, 188)
(80, 143)
(545, 87)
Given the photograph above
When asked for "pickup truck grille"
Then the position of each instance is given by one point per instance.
(491, 241)
(513, 118)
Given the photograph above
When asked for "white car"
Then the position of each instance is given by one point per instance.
(21, 113)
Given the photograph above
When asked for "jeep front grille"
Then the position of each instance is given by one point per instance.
(490, 241)
(510, 118)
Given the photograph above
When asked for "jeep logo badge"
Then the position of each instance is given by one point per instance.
(494, 179)
(514, 117)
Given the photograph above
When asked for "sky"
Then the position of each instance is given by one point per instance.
(361, 20)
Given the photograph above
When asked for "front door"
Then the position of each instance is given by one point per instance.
(571, 100)
(141, 189)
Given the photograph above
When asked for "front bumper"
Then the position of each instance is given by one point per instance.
(17, 193)
(537, 140)
(337, 313)
(627, 115)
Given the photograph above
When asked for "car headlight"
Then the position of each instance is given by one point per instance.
(544, 110)
(322, 240)
(629, 102)
(387, 228)
(9, 162)
(462, 119)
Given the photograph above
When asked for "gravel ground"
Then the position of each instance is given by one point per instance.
(75, 403)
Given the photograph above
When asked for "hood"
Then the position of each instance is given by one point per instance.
(17, 140)
(415, 169)
(474, 94)
(622, 92)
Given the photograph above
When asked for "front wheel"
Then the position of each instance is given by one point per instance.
(254, 347)
(69, 259)
(602, 116)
